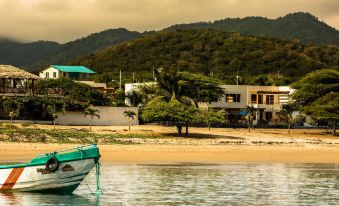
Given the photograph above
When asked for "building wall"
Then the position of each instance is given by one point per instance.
(48, 73)
(109, 116)
(280, 95)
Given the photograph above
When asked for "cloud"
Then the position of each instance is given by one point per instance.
(65, 20)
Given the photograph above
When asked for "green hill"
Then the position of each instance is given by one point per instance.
(37, 55)
(24, 54)
(212, 51)
(303, 26)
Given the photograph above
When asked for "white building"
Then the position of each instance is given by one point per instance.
(267, 99)
(72, 72)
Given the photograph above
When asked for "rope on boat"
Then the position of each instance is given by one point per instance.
(97, 175)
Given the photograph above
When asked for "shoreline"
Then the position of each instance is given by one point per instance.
(164, 154)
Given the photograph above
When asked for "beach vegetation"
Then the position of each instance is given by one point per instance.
(130, 116)
(92, 113)
(250, 115)
(317, 95)
(211, 116)
(288, 113)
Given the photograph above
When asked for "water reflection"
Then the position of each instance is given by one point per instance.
(19, 198)
(196, 184)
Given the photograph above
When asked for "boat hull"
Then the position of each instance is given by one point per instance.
(36, 179)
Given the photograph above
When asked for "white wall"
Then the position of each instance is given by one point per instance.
(109, 116)
(50, 71)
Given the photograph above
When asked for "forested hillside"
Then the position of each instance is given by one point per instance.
(303, 26)
(24, 54)
(37, 55)
(212, 52)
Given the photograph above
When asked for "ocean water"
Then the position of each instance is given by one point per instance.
(200, 184)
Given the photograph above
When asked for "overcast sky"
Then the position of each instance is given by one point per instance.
(66, 20)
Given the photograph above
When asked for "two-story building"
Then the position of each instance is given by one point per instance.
(268, 101)
(79, 73)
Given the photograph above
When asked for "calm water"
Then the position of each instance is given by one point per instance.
(191, 184)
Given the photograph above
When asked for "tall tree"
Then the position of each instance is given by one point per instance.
(129, 115)
(326, 108)
(251, 112)
(317, 95)
(287, 112)
(173, 112)
(91, 112)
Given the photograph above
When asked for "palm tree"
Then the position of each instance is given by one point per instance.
(51, 109)
(11, 115)
(287, 111)
(251, 112)
(91, 112)
(130, 117)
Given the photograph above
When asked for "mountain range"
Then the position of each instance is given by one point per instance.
(34, 56)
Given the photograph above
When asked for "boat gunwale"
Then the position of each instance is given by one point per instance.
(55, 154)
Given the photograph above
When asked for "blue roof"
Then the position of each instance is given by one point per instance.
(78, 69)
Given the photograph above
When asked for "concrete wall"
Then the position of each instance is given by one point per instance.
(109, 116)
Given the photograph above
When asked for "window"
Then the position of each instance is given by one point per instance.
(47, 74)
(260, 99)
(54, 75)
(269, 99)
(268, 116)
(232, 97)
(253, 98)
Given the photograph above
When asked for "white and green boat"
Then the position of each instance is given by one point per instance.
(58, 172)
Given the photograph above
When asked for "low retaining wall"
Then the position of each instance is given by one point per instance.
(109, 116)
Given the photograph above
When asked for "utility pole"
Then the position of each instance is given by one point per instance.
(153, 73)
(120, 80)
(133, 77)
(237, 77)
(278, 73)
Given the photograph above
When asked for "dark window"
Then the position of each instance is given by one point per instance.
(47, 74)
(268, 116)
(269, 99)
(232, 97)
(260, 99)
(253, 98)
(54, 74)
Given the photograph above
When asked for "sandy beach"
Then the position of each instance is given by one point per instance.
(19, 152)
(220, 145)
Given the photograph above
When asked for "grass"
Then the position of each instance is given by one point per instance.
(13, 133)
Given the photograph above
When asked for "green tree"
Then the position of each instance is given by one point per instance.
(91, 112)
(173, 112)
(209, 116)
(251, 112)
(129, 115)
(317, 95)
(287, 112)
(326, 108)
(11, 107)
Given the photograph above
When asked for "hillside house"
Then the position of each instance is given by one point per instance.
(79, 73)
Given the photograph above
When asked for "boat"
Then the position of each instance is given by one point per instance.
(59, 172)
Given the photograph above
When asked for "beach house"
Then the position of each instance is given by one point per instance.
(267, 100)
(16, 82)
(79, 73)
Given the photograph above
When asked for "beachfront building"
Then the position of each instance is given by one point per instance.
(16, 82)
(79, 73)
(268, 101)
